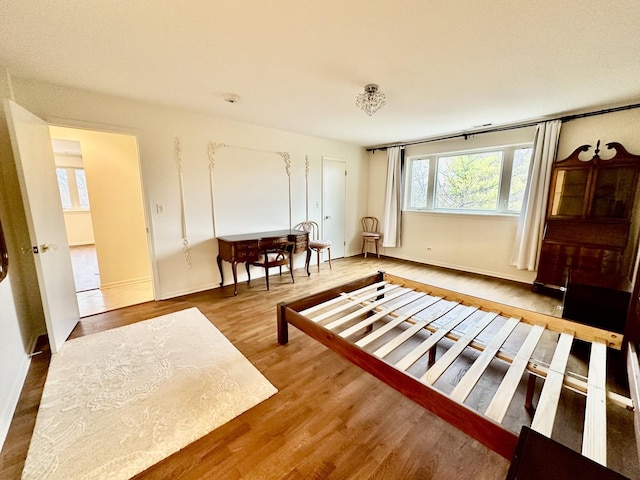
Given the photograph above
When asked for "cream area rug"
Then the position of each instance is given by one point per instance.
(119, 401)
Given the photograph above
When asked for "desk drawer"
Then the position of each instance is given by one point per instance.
(248, 250)
(272, 242)
(301, 241)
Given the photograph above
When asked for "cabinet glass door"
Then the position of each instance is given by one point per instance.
(613, 192)
(569, 192)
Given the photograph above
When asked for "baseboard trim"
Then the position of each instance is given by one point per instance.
(11, 402)
(124, 283)
(463, 268)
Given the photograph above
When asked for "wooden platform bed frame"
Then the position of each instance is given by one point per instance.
(391, 327)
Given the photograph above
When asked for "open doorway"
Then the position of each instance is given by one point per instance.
(101, 190)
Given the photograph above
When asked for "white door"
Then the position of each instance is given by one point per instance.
(39, 186)
(334, 191)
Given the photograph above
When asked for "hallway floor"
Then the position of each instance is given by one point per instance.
(91, 298)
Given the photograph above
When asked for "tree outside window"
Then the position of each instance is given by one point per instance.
(478, 181)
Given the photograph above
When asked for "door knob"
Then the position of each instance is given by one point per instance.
(45, 248)
(327, 217)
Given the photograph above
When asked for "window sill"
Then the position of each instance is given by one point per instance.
(458, 214)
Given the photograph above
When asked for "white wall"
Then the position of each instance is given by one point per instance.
(621, 127)
(482, 244)
(79, 227)
(473, 243)
(13, 357)
(261, 184)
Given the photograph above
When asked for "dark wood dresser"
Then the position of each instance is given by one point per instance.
(589, 241)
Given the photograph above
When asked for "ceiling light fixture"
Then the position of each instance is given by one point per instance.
(231, 98)
(371, 100)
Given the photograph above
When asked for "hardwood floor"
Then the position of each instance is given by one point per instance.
(329, 419)
(91, 298)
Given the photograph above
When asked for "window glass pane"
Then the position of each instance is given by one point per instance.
(81, 183)
(519, 176)
(469, 182)
(419, 183)
(63, 185)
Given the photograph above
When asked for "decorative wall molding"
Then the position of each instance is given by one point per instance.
(185, 241)
(306, 186)
(287, 167)
(212, 148)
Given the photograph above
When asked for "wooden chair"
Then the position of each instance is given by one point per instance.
(316, 244)
(277, 255)
(370, 234)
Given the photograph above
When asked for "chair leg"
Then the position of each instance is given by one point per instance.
(266, 275)
(363, 242)
(377, 252)
(293, 280)
(329, 253)
(318, 257)
(248, 274)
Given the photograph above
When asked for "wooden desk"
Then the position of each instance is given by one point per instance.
(246, 248)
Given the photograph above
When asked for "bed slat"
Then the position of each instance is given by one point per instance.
(458, 317)
(374, 318)
(503, 396)
(548, 403)
(354, 302)
(365, 309)
(363, 342)
(454, 352)
(341, 298)
(466, 384)
(594, 436)
(398, 340)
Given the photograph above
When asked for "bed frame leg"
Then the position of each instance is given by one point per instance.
(432, 357)
(283, 325)
(531, 388)
(379, 297)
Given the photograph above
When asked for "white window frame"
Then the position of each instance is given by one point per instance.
(73, 189)
(503, 187)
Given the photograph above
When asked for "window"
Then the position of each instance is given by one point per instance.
(479, 181)
(72, 183)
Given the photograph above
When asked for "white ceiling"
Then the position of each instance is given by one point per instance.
(297, 65)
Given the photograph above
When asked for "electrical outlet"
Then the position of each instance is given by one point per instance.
(159, 208)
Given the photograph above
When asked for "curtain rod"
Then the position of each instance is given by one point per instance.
(565, 118)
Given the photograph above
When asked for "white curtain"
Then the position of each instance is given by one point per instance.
(392, 200)
(526, 248)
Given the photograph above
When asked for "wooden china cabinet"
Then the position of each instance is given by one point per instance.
(590, 236)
